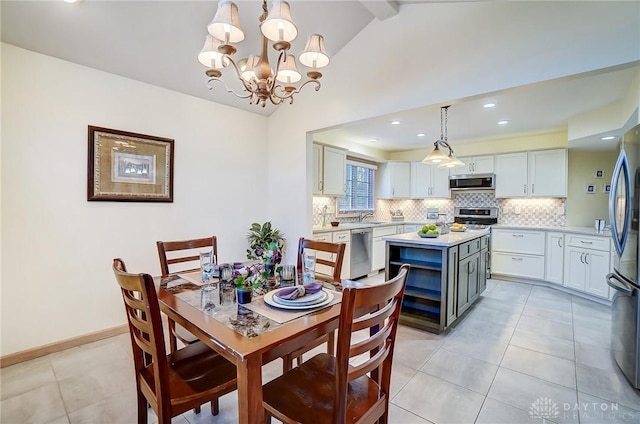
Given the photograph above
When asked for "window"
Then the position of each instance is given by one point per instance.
(360, 196)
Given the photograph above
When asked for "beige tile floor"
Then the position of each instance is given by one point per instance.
(519, 344)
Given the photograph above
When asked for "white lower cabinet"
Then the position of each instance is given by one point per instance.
(554, 258)
(378, 248)
(344, 237)
(586, 269)
(518, 253)
(323, 269)
(411, 228)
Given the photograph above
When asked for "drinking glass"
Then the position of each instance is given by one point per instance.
(207, 298)
(226, 273)
(309, 267)
(207, 264)
(227, 294)
(287, 275)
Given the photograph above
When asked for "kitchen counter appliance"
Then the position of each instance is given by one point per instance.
(476, 217)
(624, 207)
(361, 250)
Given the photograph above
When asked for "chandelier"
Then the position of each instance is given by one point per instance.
(259, 81)
(437, 157)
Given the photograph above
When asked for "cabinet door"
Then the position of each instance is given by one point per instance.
(575, 270)
(463, 285)
(452, 285)
(440, 183)
(474, 277)
(554, 259)
(334, 173)
(421, 180)
(482, 271)
(463, 170)
(511, 175)
(317, 169)
(411, 228)
(377, 257)
(597, 269)
(548, 173)
(400, 174)
(483, 165)
(344, 237)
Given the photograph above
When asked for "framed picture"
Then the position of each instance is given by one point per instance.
(599, 173)
(606, 188)
(590, 188)
(129, 167)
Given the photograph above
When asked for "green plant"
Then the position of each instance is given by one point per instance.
(265, 243)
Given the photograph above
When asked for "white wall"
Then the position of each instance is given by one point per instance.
(57, 248)
(405, 62)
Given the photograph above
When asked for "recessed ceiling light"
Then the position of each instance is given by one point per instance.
(373, 140)
(395, 122)
(608, 137)
(421, 134)
(72, 1)
(488, 105)
(504, 122)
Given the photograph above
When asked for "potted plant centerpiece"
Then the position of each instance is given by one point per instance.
(266, 244)
(246, 280)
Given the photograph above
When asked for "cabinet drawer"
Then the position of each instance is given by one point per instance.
(597, 243)
(469, 248)
(323, 237)
(342, 237)
(484, 242)
(384, 231)
(527, 242)
(526, 266)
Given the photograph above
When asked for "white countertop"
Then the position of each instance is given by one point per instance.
(347, 226)
(587, 231)
(445, 240)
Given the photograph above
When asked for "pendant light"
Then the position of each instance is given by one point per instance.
(437, 157)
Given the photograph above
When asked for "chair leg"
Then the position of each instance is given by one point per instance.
(287, 363)
(215, 407)
(298, 360)
(267, 417)
(173, 344)
(142, 409)
(196, 410)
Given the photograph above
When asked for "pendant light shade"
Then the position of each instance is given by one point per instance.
(279, 26)
(453, 162)
(288, 73)
(209, 56)
(436, 156)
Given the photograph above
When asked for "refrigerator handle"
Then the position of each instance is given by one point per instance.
(617, 284)
(622, 166)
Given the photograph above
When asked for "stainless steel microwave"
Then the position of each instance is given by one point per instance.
(472, 182)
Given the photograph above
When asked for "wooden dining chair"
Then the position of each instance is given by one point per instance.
(326, 389)
(174, 383)
(332, 260)
(183, 260)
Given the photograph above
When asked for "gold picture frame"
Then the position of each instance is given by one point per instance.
(129, 167)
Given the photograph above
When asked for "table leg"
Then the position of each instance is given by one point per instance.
(250, 409)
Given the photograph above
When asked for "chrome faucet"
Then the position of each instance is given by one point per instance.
(363, 215)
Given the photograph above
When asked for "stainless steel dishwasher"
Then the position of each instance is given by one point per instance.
(361, 245)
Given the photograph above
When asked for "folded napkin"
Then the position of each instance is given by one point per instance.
(295, 292)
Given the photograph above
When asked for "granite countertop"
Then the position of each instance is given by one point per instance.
(587, 231)
(445, 240)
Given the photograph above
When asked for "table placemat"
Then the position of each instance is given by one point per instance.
(194, 277)
(284, 315)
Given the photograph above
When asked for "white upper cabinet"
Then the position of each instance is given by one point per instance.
(394, 180)
(540, 173)
(511, 175)
(548, 173)
(475, 165)
(317, 169)
(429, 181)
(334, 170)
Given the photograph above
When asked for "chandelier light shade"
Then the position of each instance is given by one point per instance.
(436, 157)
(225, 25)
(260, 82)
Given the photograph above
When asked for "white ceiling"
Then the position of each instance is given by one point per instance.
(157, 42)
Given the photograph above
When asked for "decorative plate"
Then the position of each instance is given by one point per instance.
(309, 299)
(428, 235)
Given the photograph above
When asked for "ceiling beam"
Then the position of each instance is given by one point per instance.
(381, 9)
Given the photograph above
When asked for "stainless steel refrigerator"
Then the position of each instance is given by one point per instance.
(624, 199)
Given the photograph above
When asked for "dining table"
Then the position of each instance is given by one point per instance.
(249, 335)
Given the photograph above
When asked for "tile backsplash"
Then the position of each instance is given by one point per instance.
(546, 212)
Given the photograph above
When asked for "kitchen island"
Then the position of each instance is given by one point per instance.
(448, 273)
